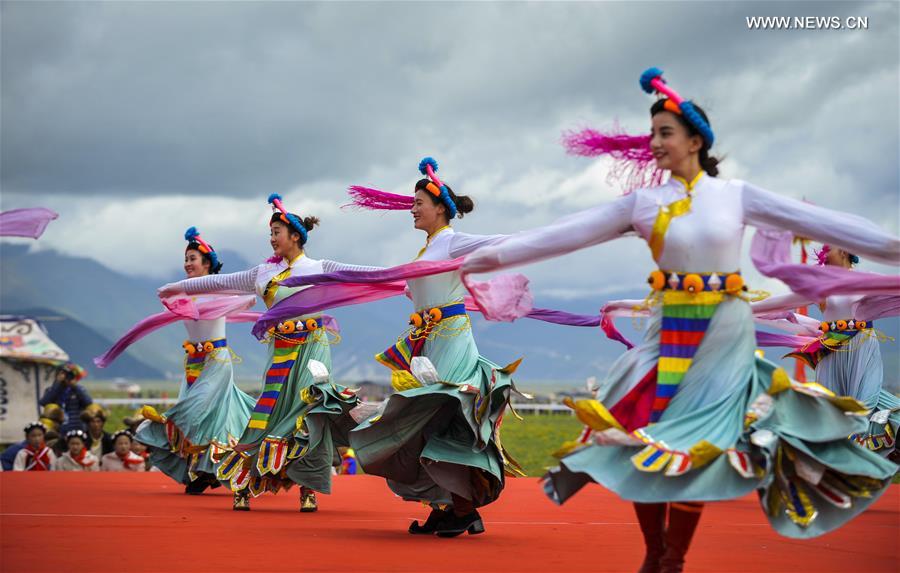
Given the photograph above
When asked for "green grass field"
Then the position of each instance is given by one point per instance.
(532, 440)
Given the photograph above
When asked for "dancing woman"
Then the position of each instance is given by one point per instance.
(691, 414)
(211, 410)
(845, 351)
(301, 417)
(436, 440)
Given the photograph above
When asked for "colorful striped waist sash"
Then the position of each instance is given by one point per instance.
(287, 344)
(685, 318)
(196, 357)
(398, 356)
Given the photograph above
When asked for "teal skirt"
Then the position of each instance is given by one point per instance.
(856, 369)
(296, 426)
(736, 424)
(211, 411)
(432, 441)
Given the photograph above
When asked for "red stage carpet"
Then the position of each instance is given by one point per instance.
(74, 522)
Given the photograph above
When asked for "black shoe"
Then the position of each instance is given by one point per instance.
(455, 525)
(241, 502)
(196, 487)
(430, 525)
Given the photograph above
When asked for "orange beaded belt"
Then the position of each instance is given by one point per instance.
(730, 283)
(845, 325)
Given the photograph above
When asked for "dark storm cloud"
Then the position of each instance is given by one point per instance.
(242, 98)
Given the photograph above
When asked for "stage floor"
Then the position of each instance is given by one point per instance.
(113, 522)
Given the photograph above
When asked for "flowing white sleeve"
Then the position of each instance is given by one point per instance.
(231, 283)
(461, 244)
(852, 233)
(780, 303)
(332, 266)
(568, 234)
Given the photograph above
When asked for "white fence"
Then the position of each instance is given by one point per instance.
(138, 402)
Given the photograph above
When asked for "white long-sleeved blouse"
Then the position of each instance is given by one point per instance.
(706, 239)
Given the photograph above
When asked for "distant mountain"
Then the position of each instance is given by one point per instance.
(102, 304)
(82, 343)
(108, 302)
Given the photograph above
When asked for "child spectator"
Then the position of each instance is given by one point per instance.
(140, 449)
(35, 456)
(77, 458)
(122, 459)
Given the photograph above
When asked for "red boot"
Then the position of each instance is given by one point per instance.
(683, 519)
(652, 519)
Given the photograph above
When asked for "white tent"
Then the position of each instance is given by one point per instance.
(28, 361)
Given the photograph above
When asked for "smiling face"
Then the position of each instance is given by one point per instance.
(194, 264)
(283, 239)
(427, 215)
(673, 147)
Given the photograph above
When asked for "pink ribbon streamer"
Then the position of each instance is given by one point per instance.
(25, 222)
(234, 307)
(771, 254)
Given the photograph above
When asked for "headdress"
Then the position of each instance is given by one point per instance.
(652, 81)
(94, 411)
(123, 432)
(33, 425)
(288, 219)
(192, 236)
(375, 199)
(74, 370)
(428, 167)
(634, 162)
(76, 434)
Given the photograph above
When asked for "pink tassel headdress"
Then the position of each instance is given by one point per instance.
(822, 255)
(634, 162)
(376, 200)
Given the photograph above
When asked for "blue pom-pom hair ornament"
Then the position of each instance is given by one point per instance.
(287, 218)
(652, 81)
(428, 167)
(192, 235)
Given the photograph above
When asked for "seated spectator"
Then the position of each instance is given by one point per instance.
(132, 422)
(66, 392)
(99, 442)
(122, 459)
(8, 457)
(140, 449)
(53, 417)
(36, 456)
(77, 458)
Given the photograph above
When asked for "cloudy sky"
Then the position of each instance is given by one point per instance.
(136, 120)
